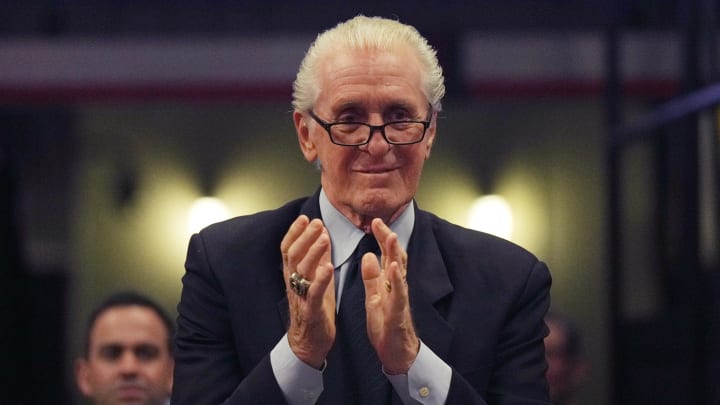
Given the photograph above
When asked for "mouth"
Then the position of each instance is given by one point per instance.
(130, 392)
(376, 170)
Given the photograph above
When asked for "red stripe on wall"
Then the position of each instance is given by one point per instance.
(80, 93)
(215, 92)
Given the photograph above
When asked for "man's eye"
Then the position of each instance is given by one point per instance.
(399, 115)
(147, 352)
(348, 118)
(111, 352)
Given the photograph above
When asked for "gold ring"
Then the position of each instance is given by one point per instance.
(388, 286)
(299, 284)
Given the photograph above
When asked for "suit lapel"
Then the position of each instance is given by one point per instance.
(428, 284)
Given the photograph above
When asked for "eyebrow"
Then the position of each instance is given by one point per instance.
(120, 347)
(126, 346)
(393, 105)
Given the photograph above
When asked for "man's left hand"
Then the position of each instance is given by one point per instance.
(389, 322)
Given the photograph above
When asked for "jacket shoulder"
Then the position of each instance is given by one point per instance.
(453, 237)
(254, 227)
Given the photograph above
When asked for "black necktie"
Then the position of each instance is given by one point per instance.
(368, 383)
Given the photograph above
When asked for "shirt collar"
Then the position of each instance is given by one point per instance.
(345, 236)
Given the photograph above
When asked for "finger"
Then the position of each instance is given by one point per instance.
(398, 294)
(318, 270)
(389, 243)
(370, 268)
(381, 233)
(319, 288)
(300, 247)
(295, 230)
(318, 253)
(372, 276)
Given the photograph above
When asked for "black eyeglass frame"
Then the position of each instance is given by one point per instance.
(373, 128)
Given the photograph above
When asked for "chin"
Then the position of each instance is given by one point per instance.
(380, 203)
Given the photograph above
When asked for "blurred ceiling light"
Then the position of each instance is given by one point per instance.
(491, 214)
(205, 211)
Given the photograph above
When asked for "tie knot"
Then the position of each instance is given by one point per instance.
(367, 244)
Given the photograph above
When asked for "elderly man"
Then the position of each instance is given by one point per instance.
(128, 357)
(281, 307)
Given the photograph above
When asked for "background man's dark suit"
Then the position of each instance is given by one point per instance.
(477, 301)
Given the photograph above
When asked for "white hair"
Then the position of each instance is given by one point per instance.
(375, 33)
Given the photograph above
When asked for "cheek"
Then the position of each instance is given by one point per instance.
(336, 163)
(159, 372)
(413, 165)
(101, 376)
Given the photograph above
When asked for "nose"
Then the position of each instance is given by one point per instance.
(377, 144)
(128, 363)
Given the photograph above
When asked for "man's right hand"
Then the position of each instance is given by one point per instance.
(306, 250)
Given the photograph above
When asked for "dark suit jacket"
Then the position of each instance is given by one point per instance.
(477, 301)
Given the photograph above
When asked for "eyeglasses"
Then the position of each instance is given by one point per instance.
(404, 132)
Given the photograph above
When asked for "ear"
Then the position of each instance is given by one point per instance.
(82, 377)
(307, 146)
(430, 135)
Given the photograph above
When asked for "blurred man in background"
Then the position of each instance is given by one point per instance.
(566, 364)
(128, 356)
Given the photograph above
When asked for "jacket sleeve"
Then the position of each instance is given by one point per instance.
(518, 375)
(207, 369)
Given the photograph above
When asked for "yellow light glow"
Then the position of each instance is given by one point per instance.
(491, 214)
(206, 211)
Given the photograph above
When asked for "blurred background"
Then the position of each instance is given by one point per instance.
(125, 126)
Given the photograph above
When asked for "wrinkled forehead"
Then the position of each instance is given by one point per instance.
(383, 68)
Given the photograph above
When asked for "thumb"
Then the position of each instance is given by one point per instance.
(370, 274)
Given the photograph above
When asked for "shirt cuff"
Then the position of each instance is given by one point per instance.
(427, 382)
(300, 383)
